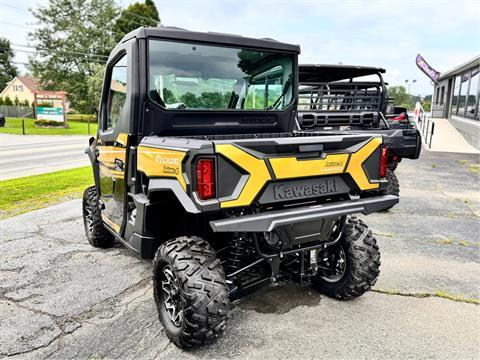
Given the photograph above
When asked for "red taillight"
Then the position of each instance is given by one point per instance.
(402, 116)
(206, 179)
(383, 162)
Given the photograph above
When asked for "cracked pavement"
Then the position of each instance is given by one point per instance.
(60, 298)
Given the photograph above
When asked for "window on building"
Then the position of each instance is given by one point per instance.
(472, 98)
(456, 91)
(462, 98)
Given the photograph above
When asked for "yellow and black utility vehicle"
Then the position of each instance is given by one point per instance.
(198, 165)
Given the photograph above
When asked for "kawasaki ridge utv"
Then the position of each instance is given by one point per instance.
(354, 98)
(198, 166)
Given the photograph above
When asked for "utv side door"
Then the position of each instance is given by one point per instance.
(112, 141)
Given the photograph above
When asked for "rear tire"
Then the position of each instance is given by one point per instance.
(361, 258)
(96, 232)
(190, 292)
(393, 187)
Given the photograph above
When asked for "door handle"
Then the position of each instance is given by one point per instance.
(118, 164)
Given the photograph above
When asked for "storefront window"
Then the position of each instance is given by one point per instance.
(456, 91)
(473, 93)
(462, 99)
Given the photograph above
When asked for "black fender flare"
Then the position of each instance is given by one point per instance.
(91, 152)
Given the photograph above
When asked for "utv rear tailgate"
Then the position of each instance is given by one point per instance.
(268, 221)
(291, 166)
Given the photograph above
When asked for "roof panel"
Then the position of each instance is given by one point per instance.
(328, 73)
(175, 33)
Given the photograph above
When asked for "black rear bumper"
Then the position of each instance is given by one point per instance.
(268, 221)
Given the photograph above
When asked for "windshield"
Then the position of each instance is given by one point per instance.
(202, 77)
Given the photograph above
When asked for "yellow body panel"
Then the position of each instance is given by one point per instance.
(110, 223)
(108, 154)
(106, 159)
(256, 168)
(291, 167)
(355, 168)
(122, 139)
(287, 168)
(156, 162)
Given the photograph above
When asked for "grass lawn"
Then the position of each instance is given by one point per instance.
(18, 196)
(14, 126)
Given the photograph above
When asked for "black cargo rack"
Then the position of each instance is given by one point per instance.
(329, 96)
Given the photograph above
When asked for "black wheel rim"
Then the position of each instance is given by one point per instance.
(332, 264)
(172, 302)
(89, 218)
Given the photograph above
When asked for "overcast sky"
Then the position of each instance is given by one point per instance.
(384, 33)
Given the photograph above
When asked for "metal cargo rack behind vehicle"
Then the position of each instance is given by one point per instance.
(328, 96)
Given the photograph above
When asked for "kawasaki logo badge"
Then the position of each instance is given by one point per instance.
(298, 191)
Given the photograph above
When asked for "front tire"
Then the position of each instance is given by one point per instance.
(96, 232)
(350, 268)
(190, 292)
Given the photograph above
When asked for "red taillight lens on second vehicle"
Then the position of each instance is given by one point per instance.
(402, 116)
(206, 178)
(383, 161)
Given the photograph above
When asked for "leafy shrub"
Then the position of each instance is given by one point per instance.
(45, 104)
(82, 117)
(48, 123)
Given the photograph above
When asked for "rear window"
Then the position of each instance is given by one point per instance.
(188, 76)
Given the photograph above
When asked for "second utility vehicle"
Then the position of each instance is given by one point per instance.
(197, 165)
(354, 98)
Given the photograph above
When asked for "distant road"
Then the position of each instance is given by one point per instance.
(23, 155)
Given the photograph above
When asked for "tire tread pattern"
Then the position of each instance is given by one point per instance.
(363, 268)
(100, 236)
(393, 187)
(203, 286)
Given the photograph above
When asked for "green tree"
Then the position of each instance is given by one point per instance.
(7, 101)
(16, 102)
(169, 96)
(72, 36)
(134, 16)
(7, 70)
(94, 88)
(401, 98)
(190, 100)
(1, 101)
(26, 103)
(212, 100)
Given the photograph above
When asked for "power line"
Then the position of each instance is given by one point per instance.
(124, 10)
(12, 24)
(65, 51)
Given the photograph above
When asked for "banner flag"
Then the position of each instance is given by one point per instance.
(427, 69)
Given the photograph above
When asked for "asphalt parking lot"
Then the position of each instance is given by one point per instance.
(60, 298)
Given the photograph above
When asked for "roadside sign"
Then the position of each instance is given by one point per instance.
(50, 106)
